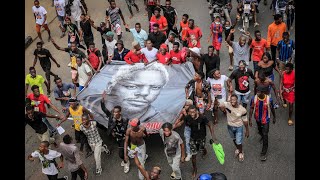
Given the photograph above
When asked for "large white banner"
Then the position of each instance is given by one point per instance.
(154, 93)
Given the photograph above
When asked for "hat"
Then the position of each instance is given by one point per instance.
(134, 122)
(164, 46)
(108, 34)
(195, 50)
(119, 42)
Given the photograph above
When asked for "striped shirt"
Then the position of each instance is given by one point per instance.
(114, 15)
(285, 50)
(261, 109)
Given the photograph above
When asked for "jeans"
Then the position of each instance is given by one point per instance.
(97, 148)
(81, 137)
(50, 127)
(187, 134)
(273, 52)
(61, 20)
(263, 132)
(244, 99)
(174, 162)
(255, 66)
(236, 133)
(55, 177)
(76, 173)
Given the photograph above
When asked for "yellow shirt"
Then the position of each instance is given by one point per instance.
(77, 117)
(38, 80)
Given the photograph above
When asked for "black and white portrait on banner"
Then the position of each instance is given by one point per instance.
(154, 93)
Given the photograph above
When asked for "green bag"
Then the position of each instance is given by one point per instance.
(218, 150)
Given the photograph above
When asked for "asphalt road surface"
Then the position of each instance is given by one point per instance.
(280, 162)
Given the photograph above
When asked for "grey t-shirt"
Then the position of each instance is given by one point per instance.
(240, 53)
(64, 91)
(71, 155)
(171, 143)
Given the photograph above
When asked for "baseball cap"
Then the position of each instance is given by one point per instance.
(119, 42)
(134, 122)
(164, 46)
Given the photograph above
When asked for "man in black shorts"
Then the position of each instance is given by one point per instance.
(197, 123)
(44, 56)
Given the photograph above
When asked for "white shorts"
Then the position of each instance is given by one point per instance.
(117, 29)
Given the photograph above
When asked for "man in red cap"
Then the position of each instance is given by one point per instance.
(135, 133)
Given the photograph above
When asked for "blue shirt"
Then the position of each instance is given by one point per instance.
(120, 56)
(285, 50)
(139, 37)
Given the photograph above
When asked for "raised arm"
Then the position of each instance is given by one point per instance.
(229, 37)
(140, 167)
(56, 46)
(88, 112)
(103, 106)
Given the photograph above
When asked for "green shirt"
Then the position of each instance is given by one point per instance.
(38, 80)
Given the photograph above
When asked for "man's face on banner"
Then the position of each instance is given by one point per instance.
(140, 91)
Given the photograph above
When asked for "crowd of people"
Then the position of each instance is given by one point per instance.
(167, 41)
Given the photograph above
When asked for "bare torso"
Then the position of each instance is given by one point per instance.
(136, 138)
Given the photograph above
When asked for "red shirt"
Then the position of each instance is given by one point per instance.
(162, 21)
(164, 59)
(39, 102)
(184, 28)
(134, 58)
(176, 57)
(258, 49)
(194, 34)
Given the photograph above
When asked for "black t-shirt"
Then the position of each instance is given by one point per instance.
(242, 79)
(157, 39)
(76, 53)
(102, 33)
(198, 126)
(211, 62)
(86, 28)
(169, 14)
(43, 55)
(268, 71)
(36, 123)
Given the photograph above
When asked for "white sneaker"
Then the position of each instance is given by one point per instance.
(122, 163)
(65, 177)
(98, 172)
(145, 158)
(173, 175)
(126, 167)
(188, 157)
(256, 24)
(107, 151)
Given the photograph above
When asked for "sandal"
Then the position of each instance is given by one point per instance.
(241, 157)
(236, 153)
(290, 122)
(230, 68)
(284, 105)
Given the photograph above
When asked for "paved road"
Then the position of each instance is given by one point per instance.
(281, 154)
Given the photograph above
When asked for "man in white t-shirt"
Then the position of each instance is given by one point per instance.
(47, 158)
(236, 117)
(61, 13)
(84, 73)
(40, 15)
(76, 11)
(218, 90)
(171, 39)
(149, 51)
(110, 44)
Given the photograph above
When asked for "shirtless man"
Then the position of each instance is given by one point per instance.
(200, 92)
(135, 133)
(267, 83)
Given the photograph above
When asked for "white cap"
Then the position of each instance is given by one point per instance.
(195, 50)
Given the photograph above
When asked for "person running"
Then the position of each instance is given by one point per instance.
(84, 74)
(285, 50)
(216, 30)
(35, 79)
(241, 77)
(287, 89)
(173, 149)
(257, 49)
(135, 55)
(135, 134)
(210, 60)
(34, 120)
(157, 18)
(194, 34)
(89, 128)
(198, 90)
(73, 33)
(120, 52)
(156, 36)
(39, 100)
(132, 3)
(44, 57)
(94, 58)
(76, 8)
(110, 45)
(241, 49)
(61, 12)
(86, 34)
(236, 118)
(218, 91)
(290, 11)
(275, 30)
(115, 13)
(76, 111)
(267, 65)
(227, 29)
(152, 175)
(171, 39)
(63, 92)
(170, 14)
(149, 51)
(176, 54)
(138, 34)
(198, 135)
(163, 56)
(184, 25)
(40, 16)
(71, 156)
(150, 6)
(117, 127)
(261, 106)
(47, 158)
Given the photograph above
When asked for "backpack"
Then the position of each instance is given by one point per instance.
(255, 102)
(93, 58)
(282, 3)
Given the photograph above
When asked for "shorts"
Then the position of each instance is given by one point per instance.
(236, 133)
(38, 27)
(117, 29)
(216, 45)
(197, 145)
(46, 65)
